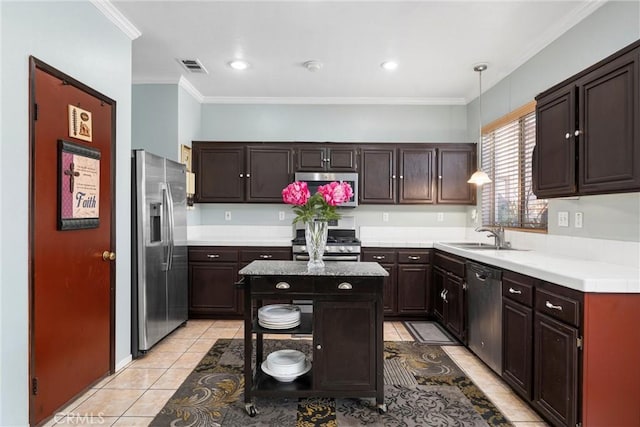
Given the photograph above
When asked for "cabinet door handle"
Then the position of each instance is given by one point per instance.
(393, 177)
(515, 291)
(578, 132)
(414, 257)
(401, 176)
(553, 307)
(442, 293)
(345, 286)
(319, 347)
(444, 297)
(266, 256)
(378, 257)
(248, 175)
(282, 285)
(241, 175)
(439, 176)
(567, 135)
(213, 256)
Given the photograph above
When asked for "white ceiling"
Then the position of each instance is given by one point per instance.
(436, 44)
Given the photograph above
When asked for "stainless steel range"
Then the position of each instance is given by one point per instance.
(342, 245)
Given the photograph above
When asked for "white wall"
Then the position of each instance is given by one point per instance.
(77, 39)
(609, 29)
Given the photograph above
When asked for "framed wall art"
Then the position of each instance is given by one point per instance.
(185, 156)
(78, 186)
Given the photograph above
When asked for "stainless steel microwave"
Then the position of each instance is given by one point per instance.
(316, 179)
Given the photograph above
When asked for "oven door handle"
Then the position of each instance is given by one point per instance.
(329, 258)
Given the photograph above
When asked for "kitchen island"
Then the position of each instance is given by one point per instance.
(346, 324)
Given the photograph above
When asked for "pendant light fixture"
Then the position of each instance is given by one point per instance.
(479, 177)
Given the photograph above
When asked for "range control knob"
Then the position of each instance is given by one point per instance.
(343, 249)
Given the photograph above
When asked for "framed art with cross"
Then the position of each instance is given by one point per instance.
(78, 186)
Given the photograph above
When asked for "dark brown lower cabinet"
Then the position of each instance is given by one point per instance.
(555, 392)
(407, 288)
(213, 273)
(448, 293)
(344, 357)
(517, 356)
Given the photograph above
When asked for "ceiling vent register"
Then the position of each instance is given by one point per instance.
(193, 66)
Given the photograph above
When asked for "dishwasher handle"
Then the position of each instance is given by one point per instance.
(483, 273)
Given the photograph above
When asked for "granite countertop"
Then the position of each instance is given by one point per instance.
(299, 268)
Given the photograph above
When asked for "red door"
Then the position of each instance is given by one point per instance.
(71, 284)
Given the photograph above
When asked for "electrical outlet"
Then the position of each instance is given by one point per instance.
(563, 219)
(281, 215)
(577, 223)
(227, 215)
(440, 216)
(385, 216)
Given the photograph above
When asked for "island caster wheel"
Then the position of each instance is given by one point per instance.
(251, 409)
(382, 408)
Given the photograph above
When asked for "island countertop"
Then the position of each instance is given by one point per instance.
(299, 268)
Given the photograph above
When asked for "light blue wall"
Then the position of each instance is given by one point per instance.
(189, 117)
(339, 123)
(155, 119)
(77, 39)
(610, 28)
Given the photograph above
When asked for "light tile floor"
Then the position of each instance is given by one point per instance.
(135, 394)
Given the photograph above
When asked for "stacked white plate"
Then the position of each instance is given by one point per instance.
(286, 365)
(279, 316)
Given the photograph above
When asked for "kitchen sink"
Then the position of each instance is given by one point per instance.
(478, 245)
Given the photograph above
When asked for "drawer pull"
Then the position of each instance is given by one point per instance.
(213, 256)
(442, 294)
(266, 256)
(378, 257)
(282, 285)
(345, 286)
(515, 291)
(414, 257)
(319, 347)
(554, 307)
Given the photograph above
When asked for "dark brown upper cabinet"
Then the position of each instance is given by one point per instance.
(236, 173)
(378, 175)
(326, 157)
(219, 171)
(417, 174)
(416, 180)
(269, 170)
(588, 130)
(455, 166)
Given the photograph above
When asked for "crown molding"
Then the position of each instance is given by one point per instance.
(333, 100)
(186, 85)
(114, 15)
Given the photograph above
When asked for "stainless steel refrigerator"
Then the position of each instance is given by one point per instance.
(159, 248)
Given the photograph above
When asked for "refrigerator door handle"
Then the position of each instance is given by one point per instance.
(171, 226)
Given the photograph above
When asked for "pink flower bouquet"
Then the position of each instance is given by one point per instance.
(321, 205)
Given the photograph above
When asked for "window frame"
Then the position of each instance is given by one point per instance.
(517, 117)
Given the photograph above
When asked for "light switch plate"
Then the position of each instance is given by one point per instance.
(227, 215)
(440, 216)
(281, 215)
(563, 219)
(577, 223)
(385, 216)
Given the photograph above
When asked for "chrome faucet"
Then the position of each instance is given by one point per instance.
(497, 233)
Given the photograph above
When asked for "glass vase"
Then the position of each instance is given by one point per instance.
(316, 240)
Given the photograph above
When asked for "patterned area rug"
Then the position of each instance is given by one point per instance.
(423, 387)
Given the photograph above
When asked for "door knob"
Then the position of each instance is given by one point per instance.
(108, 256)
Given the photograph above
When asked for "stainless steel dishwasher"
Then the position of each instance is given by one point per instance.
(484, 299)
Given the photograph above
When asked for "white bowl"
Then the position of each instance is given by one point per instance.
(285, 378)
(286, 362)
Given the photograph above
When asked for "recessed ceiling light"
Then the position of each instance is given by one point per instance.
(239, 64)
(389, 65)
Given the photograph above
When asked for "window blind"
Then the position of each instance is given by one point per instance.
(508, 200)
